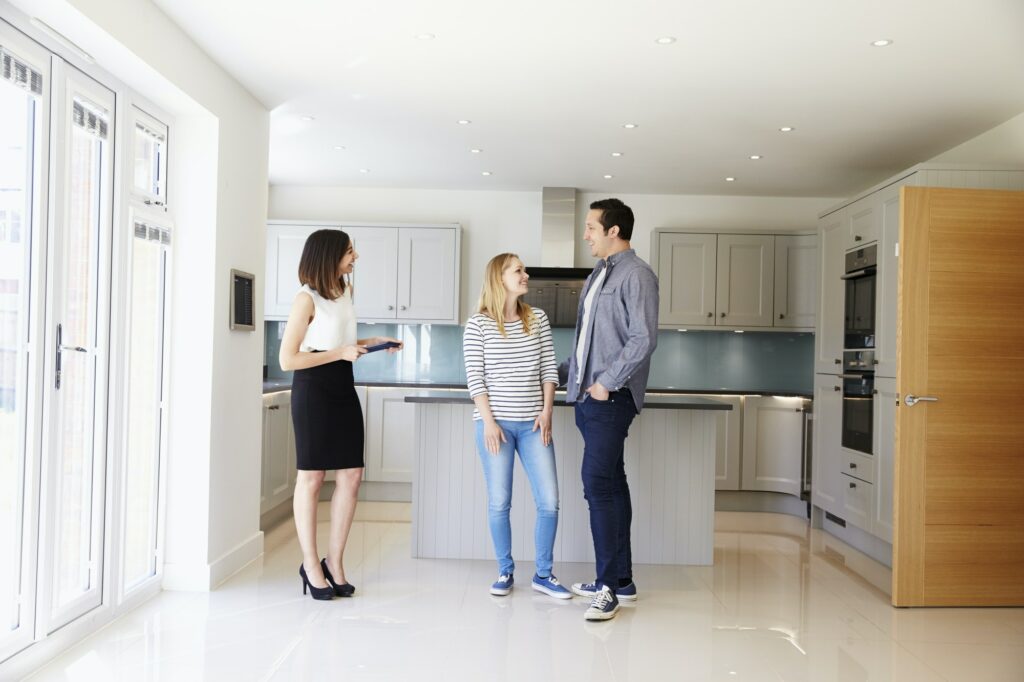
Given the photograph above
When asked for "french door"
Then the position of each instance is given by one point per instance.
(56, 212)
(76, 341)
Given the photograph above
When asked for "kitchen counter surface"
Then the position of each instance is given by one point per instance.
(275, 385)
(652, 401)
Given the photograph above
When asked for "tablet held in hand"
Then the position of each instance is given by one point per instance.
(382, 346)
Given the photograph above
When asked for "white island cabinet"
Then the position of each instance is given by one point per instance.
(670, 465)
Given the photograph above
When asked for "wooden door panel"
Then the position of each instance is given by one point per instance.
(959, 473)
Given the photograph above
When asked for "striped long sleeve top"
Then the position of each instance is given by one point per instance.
(511, 370)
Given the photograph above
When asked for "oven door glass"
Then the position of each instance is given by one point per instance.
(858, 413)
(859, 313)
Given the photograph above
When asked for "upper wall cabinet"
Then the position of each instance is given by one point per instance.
(404, 273)
(736, 280)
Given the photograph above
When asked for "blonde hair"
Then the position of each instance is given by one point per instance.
(493, 295)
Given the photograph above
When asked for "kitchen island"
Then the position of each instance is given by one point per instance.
(670, 464)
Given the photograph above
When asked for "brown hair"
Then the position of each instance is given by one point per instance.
(493, 295)
(318, 267)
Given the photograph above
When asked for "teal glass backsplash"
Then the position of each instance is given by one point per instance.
(696, 360)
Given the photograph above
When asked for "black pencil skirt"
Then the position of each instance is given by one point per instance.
(327, 417)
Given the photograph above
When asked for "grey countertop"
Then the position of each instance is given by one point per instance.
(275, 385)
(652, 401)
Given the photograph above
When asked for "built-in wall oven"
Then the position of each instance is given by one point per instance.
(859, 312)
(858, 400)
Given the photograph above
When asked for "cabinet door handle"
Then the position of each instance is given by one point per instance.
(838, 361)
(722, 314)
(853, 465)
(711, 314)
(401, 307)
(782, 316)
(274, 407)
(853, 485)
(391, 307)
(857, 237)
(837, 388)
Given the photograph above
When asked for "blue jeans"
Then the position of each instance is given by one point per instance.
(539, 462)
(604, 425)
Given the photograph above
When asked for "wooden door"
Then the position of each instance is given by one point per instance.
(959, 470)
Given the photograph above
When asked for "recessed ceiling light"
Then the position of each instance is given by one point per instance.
(616, 154)
(884, 42)
(475, 151)
(308, 118)
(667, 40)
(364, 170)
(464, 122)
(426, 36)
(730, 179)
(755, 157)
(608, 177)
(629, 126)
(338, 147)
(485, 173)
(787, 129)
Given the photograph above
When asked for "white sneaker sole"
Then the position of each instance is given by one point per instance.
(551, 593)
(501, 593)
(600, 615)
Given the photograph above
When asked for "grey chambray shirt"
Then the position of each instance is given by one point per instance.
(623, 329)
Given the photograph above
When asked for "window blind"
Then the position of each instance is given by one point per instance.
(89, 119)
(20, 74)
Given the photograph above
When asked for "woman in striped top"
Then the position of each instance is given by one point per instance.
(511, 374)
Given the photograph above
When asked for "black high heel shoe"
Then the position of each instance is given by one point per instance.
(319, 593)
(342, 590)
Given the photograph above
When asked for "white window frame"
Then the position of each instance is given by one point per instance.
(137, 115)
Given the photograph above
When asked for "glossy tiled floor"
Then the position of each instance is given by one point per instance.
(780, 603)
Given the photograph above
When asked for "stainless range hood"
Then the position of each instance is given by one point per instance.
(555, 284)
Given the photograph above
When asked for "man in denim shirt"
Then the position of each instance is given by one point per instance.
(616, 333)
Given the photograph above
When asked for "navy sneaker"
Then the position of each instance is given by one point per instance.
(503, 585)
(627, 593)
(551, 587)
(604, 606)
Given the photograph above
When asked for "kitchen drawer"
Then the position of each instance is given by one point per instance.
(858, 465)
(858, 501)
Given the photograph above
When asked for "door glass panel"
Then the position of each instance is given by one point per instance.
(145, 372)
(78, 460)
(19, 150)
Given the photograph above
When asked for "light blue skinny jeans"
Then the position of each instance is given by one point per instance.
(539, 463)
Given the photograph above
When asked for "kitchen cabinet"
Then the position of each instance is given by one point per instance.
(861, 225)
(390, 428)
(405, 273)
(888, 201)
(736, 281)
(746, 274)
(828, 422)
(858, 500)
(686, 274)
(773, 440)
(886, 404)
(828, 341)
(796, 280)
(278, 456)
(728, 442)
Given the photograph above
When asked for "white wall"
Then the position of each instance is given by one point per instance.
(493, 222)
(218, 190)
(1000, 146)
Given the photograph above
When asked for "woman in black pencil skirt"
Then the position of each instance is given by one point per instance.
(320, 345)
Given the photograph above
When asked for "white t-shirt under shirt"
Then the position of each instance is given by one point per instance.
(511, 370)
(334, 322)
(588, 303)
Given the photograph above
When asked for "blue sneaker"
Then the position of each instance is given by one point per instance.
(589, 590)
(503, 585)
(551, 587)
(604, 606)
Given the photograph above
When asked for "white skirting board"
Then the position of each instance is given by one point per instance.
(670, 465)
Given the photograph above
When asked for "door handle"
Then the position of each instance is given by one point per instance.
(711, 314)
(912, 399)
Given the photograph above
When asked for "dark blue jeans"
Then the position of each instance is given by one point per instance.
(605, 425)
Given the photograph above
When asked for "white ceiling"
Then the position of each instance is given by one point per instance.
(548, 86)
